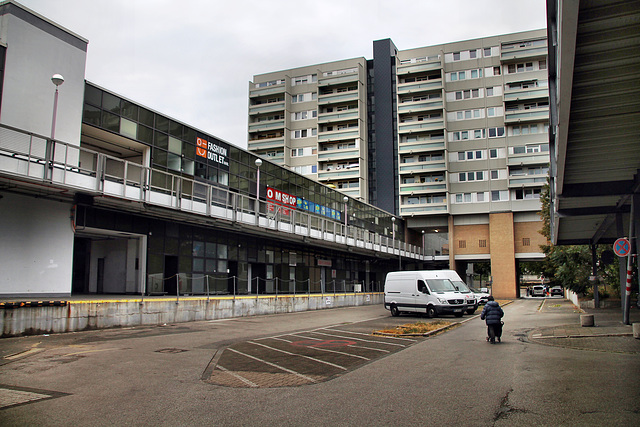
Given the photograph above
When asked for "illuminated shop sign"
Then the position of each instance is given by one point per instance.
(213, 152)
(308, 206)
(288, 201)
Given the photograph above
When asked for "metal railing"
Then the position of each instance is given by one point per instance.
(67, 166)
(186, 285)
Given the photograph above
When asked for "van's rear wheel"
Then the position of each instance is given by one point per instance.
(431, 311)
(394, 311)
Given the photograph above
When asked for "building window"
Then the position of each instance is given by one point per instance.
(462, 244)
(526, 241)
(482, 243)
(499, 196)
(494, 174)
(496, 132)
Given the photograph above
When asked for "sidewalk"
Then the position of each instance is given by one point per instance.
(608, 334)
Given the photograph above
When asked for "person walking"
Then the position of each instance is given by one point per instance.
(492, 315)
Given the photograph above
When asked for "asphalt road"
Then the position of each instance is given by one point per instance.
(170, 375)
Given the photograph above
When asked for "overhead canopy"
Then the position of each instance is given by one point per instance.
(594, 81)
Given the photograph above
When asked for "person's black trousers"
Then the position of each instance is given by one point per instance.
(495, 331)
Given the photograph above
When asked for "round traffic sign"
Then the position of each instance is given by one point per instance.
(622, 247)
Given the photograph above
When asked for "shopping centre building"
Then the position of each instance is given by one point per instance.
(102, 195)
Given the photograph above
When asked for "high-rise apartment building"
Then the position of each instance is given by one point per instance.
(452, 137)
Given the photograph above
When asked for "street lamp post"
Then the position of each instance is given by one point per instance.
(346, 215)
(258, 163)
(423, 249)
(57, 80)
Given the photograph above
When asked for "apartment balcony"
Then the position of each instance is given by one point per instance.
(422, 188)
(334, 98)
(336, 80)
(419, 106)
(526, 94)
(518, 181)
(338, 135)
(417, 87)
(523, 116)
(524, 52)
(423, 209)
(266, 91)
(335, 155)
(340, 116)
(353, 192)
(266, 125)
(263, 144)
(266, 108)
(423, 126)
(422, 167)
(418, 67)
(420, 147)
(338, 174)
(531, 159)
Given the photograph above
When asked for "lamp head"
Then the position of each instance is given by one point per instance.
(258, 162)
(57, 79)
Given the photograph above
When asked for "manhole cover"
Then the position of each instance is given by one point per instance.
(171, 350)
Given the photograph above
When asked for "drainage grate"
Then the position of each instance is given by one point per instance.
(171, 350)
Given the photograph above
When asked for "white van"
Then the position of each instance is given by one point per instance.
(429, 292)
(470, 297)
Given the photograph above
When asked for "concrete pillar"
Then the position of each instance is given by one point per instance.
(452, 247)
(503, 255)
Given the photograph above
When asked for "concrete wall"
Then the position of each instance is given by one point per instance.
(28, 89)
(85, 315)
(36, 247)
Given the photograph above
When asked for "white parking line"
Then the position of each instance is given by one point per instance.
(360, 339)
(360, 333)
(241, 378)
(274, 365)
(299, 355)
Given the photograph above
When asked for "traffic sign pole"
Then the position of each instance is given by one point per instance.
(627, 298)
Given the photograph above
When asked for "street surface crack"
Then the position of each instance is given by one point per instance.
(505, 408)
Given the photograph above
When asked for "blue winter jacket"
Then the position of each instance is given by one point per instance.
(492, 313)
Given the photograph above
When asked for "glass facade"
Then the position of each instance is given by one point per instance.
(186, 257)
(175, 147)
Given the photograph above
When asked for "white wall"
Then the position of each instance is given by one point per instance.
(36, 247)
(27, 94)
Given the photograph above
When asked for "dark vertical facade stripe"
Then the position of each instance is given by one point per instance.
(384, 128)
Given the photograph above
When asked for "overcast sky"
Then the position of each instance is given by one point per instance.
(193, 59)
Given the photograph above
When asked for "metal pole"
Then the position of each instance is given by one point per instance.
(627, 298)
(594, 267)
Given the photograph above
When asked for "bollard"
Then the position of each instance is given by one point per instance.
(586, 320)
(636, 330)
